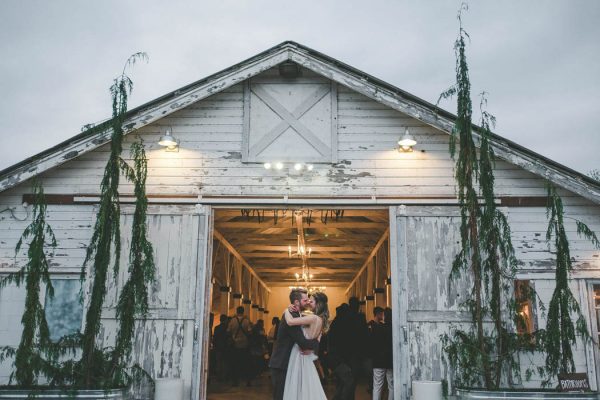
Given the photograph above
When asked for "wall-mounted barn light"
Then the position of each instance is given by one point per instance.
(169, 141)
(406, 142)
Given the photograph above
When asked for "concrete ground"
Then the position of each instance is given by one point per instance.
(261, 390)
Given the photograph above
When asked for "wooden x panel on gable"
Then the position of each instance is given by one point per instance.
(289, 121)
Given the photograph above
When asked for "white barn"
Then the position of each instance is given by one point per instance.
(346, 124)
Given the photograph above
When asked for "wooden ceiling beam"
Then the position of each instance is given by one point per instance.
(313, 225)
(268, 213)
(382, 239)
(317, 270)
(284, 248)
(269, 262)
(237, 255)
(314, 256)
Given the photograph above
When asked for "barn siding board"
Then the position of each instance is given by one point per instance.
(12, 303)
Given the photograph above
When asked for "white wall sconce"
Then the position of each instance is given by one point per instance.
(406, 142)
(167, 140)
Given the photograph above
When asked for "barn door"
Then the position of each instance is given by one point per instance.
(399, 301)
(167, 344)
(427, 240)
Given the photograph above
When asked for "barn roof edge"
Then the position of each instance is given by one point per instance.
(511, 151)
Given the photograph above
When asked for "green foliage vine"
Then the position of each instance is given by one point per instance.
(106, 235)
(33, 356)
(561, 331)
(133, 299)
(482, 355)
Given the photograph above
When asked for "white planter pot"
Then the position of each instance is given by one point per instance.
(48, 394)
(168, 389)
(466, 394)
(427, 390)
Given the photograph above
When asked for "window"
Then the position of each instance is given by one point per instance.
(526, 323)
(64, 312)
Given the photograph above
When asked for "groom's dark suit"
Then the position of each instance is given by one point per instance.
(287, 336)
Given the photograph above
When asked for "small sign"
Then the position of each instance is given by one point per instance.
(574, 382)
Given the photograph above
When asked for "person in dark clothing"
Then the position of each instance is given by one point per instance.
(377, 319)
(383, 360)
(272, 336)
(324, 355)
(258, 347)
(220, 348)
(347, 336)
(287, 336)
(240, 328)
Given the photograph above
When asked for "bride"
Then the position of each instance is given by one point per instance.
(302, 380)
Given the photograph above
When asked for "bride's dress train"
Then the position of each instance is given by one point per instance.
(302, 380)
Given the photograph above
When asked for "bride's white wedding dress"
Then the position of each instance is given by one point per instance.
(302, 380)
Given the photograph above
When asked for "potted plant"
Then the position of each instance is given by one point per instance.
(484, 357)
(99, 372)
(561, 331)
(481, 354)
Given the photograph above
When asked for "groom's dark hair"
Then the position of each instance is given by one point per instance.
(296, 294)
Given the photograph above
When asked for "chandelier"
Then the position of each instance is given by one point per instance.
(301, 250)
(304, 278)
(304, 281)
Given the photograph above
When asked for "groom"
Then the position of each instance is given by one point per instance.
(286, 337)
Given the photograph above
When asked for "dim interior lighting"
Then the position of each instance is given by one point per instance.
(167, 140)
(406, 142)
(297, 166)
(267, 165)
(279, 165)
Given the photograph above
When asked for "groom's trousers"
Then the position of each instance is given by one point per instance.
(278, 381)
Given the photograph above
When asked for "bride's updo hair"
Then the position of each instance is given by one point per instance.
(321, 308)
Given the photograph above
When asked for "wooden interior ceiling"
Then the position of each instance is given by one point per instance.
(341, 241)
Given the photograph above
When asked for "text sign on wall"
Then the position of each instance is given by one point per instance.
(574, 382)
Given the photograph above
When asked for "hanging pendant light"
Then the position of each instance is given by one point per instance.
(167, 140)
(406, 142)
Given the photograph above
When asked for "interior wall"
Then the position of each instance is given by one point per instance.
(279, 300)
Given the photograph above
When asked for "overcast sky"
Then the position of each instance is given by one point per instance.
(539, 60)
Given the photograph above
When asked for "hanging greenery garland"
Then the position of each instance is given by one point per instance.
(33, 357)
(133, 299)
(481, 356)
(561, 331)
(106, 237)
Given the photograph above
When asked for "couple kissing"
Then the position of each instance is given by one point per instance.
(293, 371)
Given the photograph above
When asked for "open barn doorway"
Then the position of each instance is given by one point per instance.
(259, 255)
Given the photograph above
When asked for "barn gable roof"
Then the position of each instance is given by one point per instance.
(322, 64)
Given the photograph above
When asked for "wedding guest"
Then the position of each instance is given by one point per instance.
(272, 336)
(359, 336)
(239, 329)
(338, 360)
(258, 348)
(383, 361)
(362, 331)
(347, 338)
(324, 355)
(377, 319)
(220, 348)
